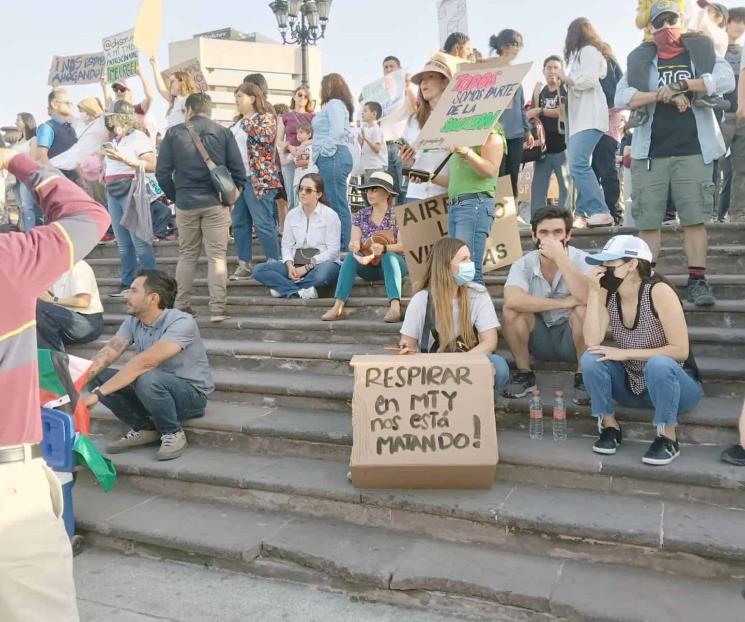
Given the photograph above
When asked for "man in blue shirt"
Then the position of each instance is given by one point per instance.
(166, 382)
(57, 135)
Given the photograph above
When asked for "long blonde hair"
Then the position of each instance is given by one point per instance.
(439, 282)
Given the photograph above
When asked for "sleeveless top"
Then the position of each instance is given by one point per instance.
(291, 120)
(646, 334)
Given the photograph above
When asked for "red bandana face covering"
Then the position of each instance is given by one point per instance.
(668, 42)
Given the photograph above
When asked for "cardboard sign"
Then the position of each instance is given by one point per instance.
(388, 91)
(194, 69)
(423, 421)
(424, 222)
(121, 56)
(452, 16)
(525, 181)
(148, 25)
(77, 69)
(471, 105)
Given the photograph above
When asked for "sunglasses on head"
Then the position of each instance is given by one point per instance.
(669, 19)
(306, 189)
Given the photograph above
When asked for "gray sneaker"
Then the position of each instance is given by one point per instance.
(172, 445)
(699, 293)
(242, 273)
(133, 438)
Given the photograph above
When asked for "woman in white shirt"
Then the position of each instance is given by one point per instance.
(26, 125)
(310, 247)
(128, 149)
(175, 91)
(451, 313)
(587, 111)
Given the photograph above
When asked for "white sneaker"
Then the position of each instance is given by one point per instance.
(600, 220)
(307, 293)
(274, 293)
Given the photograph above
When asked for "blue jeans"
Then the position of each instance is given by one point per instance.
(58, 326)
(288, 177)
(132, 250)
(391, 270)
(26, 201)
(590, 198)
(156, 399)
(252, 211)
(501, 372)
(163, 219)
(555, 163)
(334, 170)
(470, 220)
(395, 170)
(274, 275)
(670, 389)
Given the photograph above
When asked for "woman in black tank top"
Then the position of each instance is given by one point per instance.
(650, 364)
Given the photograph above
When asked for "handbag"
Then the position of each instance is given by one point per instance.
(384, 237)
(221, 178)
(119, 187)
(303, 256)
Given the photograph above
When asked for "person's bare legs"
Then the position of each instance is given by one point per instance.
(516, 328)
(696, 245)
(653, 238)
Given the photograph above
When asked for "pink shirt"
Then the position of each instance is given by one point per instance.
(615, 119)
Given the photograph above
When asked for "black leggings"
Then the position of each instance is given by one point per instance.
(511, 162)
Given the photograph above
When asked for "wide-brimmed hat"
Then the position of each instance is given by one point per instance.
(439, 62)
(621, 247)
(380, 179)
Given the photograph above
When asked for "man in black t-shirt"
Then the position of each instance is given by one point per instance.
(546, 109)
(674, 149)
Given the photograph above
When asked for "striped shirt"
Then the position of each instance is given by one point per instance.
(30, 263)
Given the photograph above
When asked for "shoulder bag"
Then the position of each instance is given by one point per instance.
(221, 178)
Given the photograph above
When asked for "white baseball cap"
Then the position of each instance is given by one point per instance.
(621, 247)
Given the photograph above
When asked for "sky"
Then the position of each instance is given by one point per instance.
(359, 35)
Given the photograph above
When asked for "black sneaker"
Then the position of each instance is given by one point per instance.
(699, 293)
(734, 455)
(522, 383)
(715, 102)
(580, 392)
(637, 117)
(610, 439)
(662, 451)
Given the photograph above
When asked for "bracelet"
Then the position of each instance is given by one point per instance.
(55, 299)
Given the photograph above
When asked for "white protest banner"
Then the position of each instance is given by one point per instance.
(121, 56)
(471, 105)
(147, 26)
(77, 69)
(194, 69)
(452, 16)
(424, 222)
(423, 421)
(388, 91)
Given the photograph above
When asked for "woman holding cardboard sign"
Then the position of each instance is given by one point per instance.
(374, 249)
(450, 313)
(179, 86)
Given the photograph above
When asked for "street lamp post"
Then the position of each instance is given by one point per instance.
(302, 22)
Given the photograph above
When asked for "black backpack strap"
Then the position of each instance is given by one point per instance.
(428, 330)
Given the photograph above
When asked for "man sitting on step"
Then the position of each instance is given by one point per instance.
(168, 380)
(544, 303)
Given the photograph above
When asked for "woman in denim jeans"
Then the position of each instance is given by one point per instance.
(330, 150)
(471, 188)
(128, 148)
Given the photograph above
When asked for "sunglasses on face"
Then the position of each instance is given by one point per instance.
(670, 19)
(307, 190)
(303, 95)
(118, 90)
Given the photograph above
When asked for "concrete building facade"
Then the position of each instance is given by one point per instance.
(227, 55)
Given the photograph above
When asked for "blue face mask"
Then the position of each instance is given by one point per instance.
(466, 273)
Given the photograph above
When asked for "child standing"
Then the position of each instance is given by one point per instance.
(302, 155)
(374, 150)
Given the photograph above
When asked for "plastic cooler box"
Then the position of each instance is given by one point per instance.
(56, 447)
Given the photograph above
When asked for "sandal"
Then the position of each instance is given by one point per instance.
(392, 317)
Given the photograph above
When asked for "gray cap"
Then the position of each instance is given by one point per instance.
(663, 6)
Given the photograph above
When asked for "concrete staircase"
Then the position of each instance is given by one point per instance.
(562, 534)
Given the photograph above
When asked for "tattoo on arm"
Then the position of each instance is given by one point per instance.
(107, 355)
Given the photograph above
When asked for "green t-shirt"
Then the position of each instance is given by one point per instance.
(464, 180)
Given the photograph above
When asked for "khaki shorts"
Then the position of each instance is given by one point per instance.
(688, 181)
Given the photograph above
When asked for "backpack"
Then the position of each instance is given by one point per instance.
(610, 81)
(538, 152)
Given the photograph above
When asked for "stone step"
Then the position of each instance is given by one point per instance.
(683, 537)
(379, 564)
(325, 435)
(720, 260)
(724, 286)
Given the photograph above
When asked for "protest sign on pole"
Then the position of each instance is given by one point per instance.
(424, 222)
(194, 69)
(148, 25)
(121, 56)
(387, 91)
(452, 16)
(423, 421)
(76, 69)
(471, 105)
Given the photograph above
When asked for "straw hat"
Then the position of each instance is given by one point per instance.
(439, 62)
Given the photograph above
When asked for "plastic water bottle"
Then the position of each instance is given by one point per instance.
(560, 416)
(536, 416)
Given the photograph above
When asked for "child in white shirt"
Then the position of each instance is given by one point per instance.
(374, 150)
(303, 157)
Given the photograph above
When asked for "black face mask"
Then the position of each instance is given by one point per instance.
(610, 282)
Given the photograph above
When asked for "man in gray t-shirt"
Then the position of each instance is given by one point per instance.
(166, 382)
(545, 297)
